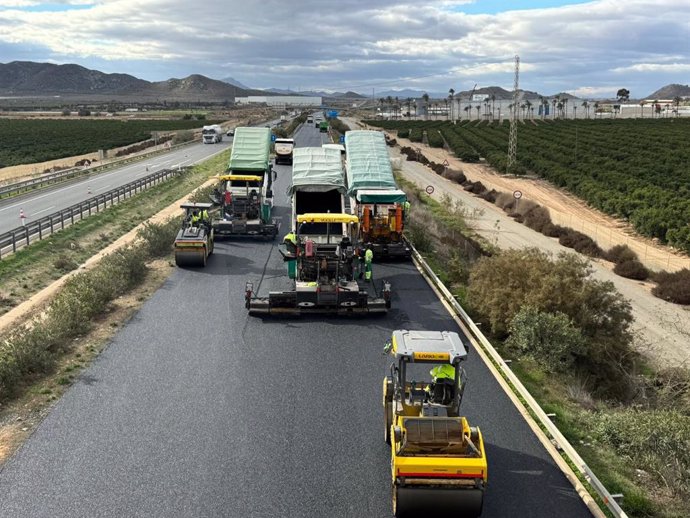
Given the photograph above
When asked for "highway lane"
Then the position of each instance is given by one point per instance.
(196, 409)
(52, 199)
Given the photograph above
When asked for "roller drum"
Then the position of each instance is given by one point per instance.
(188, 258)
(415, 501)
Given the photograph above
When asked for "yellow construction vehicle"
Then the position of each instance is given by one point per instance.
(438, 459)
(194, 241)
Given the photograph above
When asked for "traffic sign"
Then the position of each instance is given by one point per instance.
(445, 163)
(517, 194)
(429, 189)
(333, 114)
(273, 137)
(342, 139)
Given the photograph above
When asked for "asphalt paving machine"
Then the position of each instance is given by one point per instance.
(244, 207)
(245, 195)
(194, 241)
(324, 271)
(438, 460)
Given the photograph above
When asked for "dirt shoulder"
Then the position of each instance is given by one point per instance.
(662, 328)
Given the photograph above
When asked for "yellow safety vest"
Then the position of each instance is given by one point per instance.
(291, 237)
(443, 371)
(368, 256)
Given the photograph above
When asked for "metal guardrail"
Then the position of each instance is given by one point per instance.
(22, 236)
(7, 191)
(556, 436)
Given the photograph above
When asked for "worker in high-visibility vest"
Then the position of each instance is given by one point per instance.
(442, 386)
(406, 209)
(196, 217)
(290, 242)
(368, 258)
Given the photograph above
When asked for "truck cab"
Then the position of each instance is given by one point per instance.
(283, 148)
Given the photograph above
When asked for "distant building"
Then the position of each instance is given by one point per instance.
(280, 101)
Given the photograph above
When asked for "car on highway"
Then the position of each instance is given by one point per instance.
(230, 133)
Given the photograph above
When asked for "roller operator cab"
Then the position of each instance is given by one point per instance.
(438, 460)
(283, 148)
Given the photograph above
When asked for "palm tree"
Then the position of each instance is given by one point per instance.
(493, 105)
(656, 107)
(528, 104)
(478, 107)
(565, 107)
(585, 105)
(555, 102)
(409, 104)
(389, 101)
(451, 96)
(596, 108)
(575, 111)
(467, 111)
(642, 109)
(676, 103)
(397, 106)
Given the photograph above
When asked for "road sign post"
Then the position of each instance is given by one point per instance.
(517, 195)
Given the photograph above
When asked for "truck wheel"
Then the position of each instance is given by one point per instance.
(388, 418)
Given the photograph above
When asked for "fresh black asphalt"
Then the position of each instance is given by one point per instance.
(196, 409)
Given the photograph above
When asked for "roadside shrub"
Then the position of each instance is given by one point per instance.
(537, 218)
(454, 175)
(516, 216)
(581, 243)
(551, 339)
(505, 201)
(403, 133)
(657, 440)
(500, 286)
(490, 196)
(437, 168)
(477, 188)
(631, 269)
(65, 263)
(552, 230)
(620, 254)
(159, 237)
(673, 287)
(183, 136)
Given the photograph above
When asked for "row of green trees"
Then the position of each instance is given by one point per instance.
(30, 141)
(634, 169)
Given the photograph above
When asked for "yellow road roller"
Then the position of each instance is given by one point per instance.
(438, 459)
(194, 241)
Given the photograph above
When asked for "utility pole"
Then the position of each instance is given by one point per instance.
(512, 140)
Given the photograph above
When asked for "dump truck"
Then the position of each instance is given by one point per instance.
(317, 186)
(194, 241)
(212, 134)
(245, 195)
(374, 195)
(324, 273)
(283, 148)
(438, 460)
(323, 127)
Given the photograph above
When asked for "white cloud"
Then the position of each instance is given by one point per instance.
(312, 44)
(654, 67)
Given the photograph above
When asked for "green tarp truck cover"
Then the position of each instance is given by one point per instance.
(381, 196)
(250, 149)
(368, 162)
(316, 169)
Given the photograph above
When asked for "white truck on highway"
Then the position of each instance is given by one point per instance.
(284, 147)
(212, 134)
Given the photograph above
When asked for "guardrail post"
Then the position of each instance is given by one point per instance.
(40, 230)
(26, 231)
(14, 243)
(71, 214)
(89, 202)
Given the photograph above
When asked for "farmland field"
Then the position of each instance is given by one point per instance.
(38, 140)
(635, 169)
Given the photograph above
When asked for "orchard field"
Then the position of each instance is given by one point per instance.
(631, 168)
(37, 140)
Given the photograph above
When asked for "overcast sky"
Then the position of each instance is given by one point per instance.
(586, 48)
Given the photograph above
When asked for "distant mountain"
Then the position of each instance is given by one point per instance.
(408, 92)
(670, 92)
(235, 82)
(26, 78)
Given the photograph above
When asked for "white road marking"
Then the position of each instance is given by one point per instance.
(44, 210)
